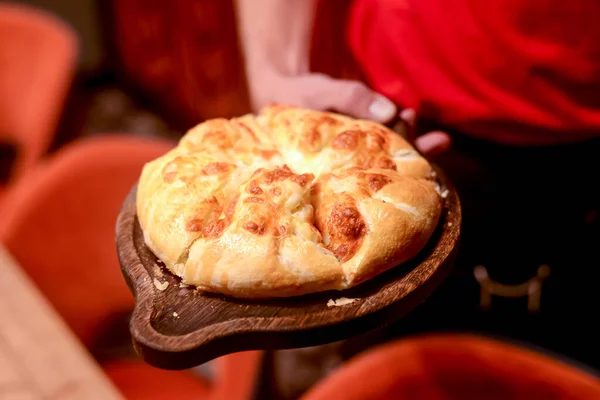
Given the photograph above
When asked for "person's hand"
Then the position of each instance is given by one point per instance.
(431, 143)
(276, 37)
(321, 92)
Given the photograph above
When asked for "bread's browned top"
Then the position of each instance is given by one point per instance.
(288, 202)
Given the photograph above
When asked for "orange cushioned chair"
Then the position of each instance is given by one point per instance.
(58, 222)
(455, 367)
(235, 378)
(38, 55)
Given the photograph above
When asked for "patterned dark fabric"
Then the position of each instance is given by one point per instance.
(183, 54)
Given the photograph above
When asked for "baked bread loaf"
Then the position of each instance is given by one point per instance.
(288, 202)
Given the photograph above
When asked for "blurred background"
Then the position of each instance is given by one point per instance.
(156, 68)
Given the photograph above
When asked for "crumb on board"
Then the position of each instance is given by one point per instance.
(158, 271)
(183, 285)
(442, 193)
(175, 315)
(449, 223)
(342, 301)
(160, 285)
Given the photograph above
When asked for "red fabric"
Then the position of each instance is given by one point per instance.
(183, 54)
(455, 367)
(235, 378)
(138, 380)
(515, 71)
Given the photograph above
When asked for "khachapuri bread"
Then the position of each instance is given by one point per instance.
(288, 202)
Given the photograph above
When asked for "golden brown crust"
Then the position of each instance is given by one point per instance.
(288, 202)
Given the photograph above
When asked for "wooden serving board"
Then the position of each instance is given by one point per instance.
(177, 327)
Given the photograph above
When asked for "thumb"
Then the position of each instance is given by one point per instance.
(349, 97)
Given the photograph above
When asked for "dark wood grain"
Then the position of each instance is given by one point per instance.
(207, 326)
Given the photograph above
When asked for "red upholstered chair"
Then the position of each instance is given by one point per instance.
(235, 379)
(455, 367)
(58, 221)
(38, 55)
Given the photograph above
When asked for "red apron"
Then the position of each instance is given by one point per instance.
(523, 72)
